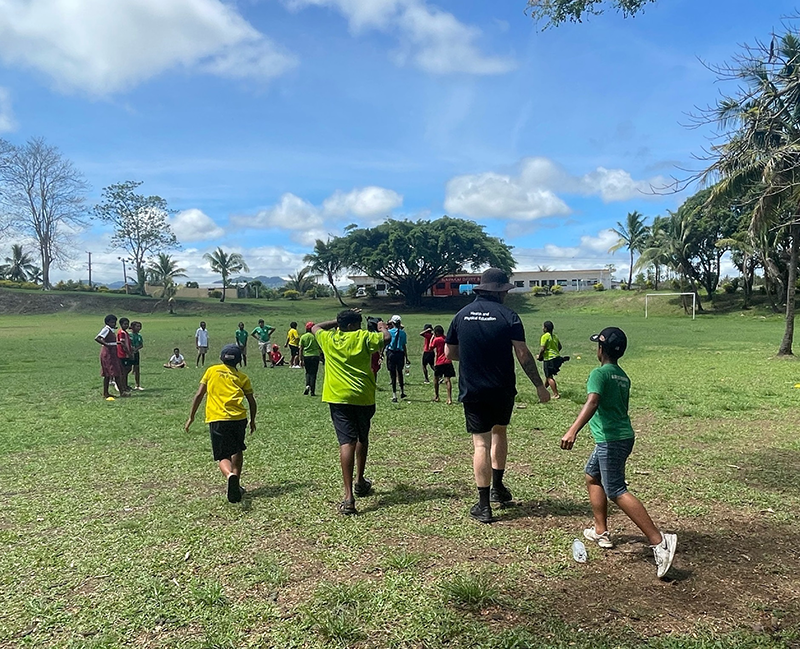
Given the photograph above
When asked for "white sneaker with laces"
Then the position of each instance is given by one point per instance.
(664, 553)
(603, 540)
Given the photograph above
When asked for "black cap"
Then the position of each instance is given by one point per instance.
(493, 280)
(231, 355)
(613, 340)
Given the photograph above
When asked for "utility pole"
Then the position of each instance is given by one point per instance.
(124, 273)
(90, 268)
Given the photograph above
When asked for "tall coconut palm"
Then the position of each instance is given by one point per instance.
(326, 262)
(162, 271)
(19, 266)
(225, 264)
(303, 280)
(633, 236)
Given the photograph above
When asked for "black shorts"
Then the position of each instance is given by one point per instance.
(227, 438)
(482, 416)
(428, 358)
(135, 359)
(552, 366)
(445, 369)
(351, 423)
(127, 362)
(395, 359)
(294, 349)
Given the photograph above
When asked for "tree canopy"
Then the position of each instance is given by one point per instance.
(411, 256)
(555, 12)
(226, 264)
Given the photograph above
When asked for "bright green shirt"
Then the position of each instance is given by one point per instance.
(241, 337)
(550, 344)
(611, 421)
(309, 345)
(136, 341)
(262, 333)
(348, 369)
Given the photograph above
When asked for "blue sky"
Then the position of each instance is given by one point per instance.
(269, 123)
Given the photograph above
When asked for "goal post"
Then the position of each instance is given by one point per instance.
(649, 295)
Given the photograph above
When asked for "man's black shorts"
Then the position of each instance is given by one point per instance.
(227, 438)
(552, 366)
(445, 369)
(395, 359)
(482, 416)
(351, 423)
(428, 358)
(294, 350)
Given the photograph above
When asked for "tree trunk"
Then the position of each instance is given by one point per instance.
(222, 299)
(630, 272)
(336, 290)
(46, 261)
(788, 334)
(656, 276)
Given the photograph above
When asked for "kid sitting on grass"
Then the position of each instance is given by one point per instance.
(275, 357)
(226, 415)
(176, 360)
(606, 412)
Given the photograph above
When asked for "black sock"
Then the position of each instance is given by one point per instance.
(483, 496)
(497, 477)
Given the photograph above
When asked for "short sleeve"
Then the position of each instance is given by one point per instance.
(247, 386)
(323, 336)
(374, 341)
(543, 340)
(452, 333)
(594, 385)
(206, 376)
(517, 329)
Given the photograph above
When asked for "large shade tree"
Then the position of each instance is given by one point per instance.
(225, 264)
(411, 256)
(326, 261)
(632, 235)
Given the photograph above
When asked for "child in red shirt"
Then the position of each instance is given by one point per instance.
(443, 366)
(125, 354)
(276, 357)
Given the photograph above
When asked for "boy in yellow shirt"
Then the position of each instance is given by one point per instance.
(226, 416)
(293, 343)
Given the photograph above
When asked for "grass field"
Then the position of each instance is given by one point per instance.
(115, 531)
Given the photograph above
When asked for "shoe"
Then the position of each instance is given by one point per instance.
(664, 553)
(362, 489)
(394, 399)
(307, 390)
(139, 387)
(347, 507)
(403, 395)
(564, 359)
(500, 494)
(427, 382)
(234, 490)
(313, 394)
(603, 540)
(482, 514)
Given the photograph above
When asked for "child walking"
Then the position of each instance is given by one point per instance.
(137, 342)
(226, 388)
(550, 355)
(110, 368)
(443, 366)
(606, 412)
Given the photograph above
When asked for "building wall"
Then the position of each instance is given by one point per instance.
(230, 294)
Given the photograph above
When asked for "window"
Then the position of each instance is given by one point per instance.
(519, 284)
(380, 287)
(533, 282)
(454, 285)
(591, 281)
(562, 282)
(575, 282)
(441, 285)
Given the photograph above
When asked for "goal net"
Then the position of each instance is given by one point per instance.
(652, 295)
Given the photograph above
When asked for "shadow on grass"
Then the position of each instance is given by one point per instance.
(776, 469)
(544, 508)
(405, 494)
(275, 491)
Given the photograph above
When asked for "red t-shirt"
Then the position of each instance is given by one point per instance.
(123, 344)
(437, 345)
(427, 337)
(276, 356)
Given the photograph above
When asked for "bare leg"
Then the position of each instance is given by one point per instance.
(425, 372)
(499, 447)
(347, 454)
(597, 497)
(449, 385)
(197, 362)
(435, 388)
(482, 459)
(226, 466)
(137, 376)
(361, 460)
(631, 505)
(551, 382)
(106, 393)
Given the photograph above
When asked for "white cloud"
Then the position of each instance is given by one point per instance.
(534, 192)
(103, 47)
(369, 202)
(591, 252)
(7, 121)
(433, 40)
(194, 225)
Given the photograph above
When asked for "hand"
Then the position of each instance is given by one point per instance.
(355, 309)
(568, 440)
(188, 424)
(252, 427)
(544, 395)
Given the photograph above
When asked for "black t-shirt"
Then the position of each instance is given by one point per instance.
(483, 331)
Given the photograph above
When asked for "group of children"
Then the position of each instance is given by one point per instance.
(120, 355)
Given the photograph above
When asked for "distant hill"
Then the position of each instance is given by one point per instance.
(269, 282)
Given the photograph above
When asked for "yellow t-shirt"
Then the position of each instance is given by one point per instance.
(550, 343)
(293, 338)
(226, 389)
(348, 365)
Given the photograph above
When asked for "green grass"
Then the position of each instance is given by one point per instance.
(115, 531)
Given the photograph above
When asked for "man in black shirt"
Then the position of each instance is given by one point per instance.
(484, 336)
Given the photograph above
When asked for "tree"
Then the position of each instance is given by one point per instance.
(225, 264)
(555, 12)
(759, 155)
(302, 281)
(162, 271)
(19, 266)
(326, 261)
(411, 256)
(43, 195)
(633, 236)
(140, 224)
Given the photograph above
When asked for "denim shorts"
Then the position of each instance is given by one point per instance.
(607, 462)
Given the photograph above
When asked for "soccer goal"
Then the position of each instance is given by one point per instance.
(649, 295)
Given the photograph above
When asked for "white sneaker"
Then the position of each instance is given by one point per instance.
(664, 553)
(603, 540)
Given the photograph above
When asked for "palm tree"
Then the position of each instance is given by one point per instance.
(326, 262)
(632, 235)
(162, 271)
(654, 240)
(225, 264)
(302, 280)
(19, 266)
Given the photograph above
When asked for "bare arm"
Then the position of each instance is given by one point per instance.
(382, 328)
(323, 326)
(528, 363)
(100, 340)
(251, 400)
(586, 413)
(452, 353)
(198, 399)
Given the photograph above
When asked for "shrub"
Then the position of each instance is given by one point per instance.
(371, 291)
(215, 293)
(599, 286)
(291, 294)
(676, 285)
(728, 287)
(556, 290)
(7, 283)
(192, 285)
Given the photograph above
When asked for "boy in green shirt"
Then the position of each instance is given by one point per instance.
(241, 341)
(262, 334)
(349, 389)
(606, 412)
(137, 342)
